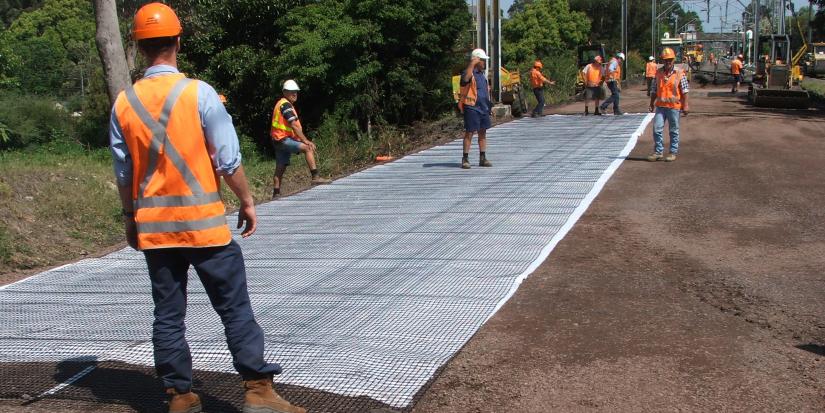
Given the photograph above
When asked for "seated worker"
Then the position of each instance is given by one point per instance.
(288, 138)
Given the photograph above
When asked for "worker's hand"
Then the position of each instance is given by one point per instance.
(552, 83)
(474, 61)
(651, 108)
(131, 231)
(246, 216)
(310, 145)
(685, 111)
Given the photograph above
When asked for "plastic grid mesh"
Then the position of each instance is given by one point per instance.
(364, 287)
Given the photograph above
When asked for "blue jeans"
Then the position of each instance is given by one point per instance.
(672, 117)
(284, 150)
(222, 272)
(539, 109)
(615, 95)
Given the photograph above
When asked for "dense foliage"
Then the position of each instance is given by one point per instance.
(375, 61)
(605, 18)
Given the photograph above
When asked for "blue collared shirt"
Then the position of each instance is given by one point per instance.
(221, 138)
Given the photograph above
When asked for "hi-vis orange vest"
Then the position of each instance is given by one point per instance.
(650, 69)
(281, 129)
(617, 74)
(174, 186)
(593, 75)
(468, 94)
(668, 89)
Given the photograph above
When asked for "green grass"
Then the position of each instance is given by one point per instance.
(59, 201)
(816, 88)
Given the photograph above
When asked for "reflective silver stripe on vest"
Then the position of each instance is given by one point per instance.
(177, 201)
(181, 226)
(160, 139)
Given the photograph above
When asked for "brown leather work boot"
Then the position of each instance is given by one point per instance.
(260, 397)
(183, 402)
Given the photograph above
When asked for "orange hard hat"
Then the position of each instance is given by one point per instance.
(668, 53)
(156, 20)
(538, 64)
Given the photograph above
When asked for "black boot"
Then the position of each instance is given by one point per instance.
(587, 111)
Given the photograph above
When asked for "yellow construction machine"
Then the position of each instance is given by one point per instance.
(776, 79)
(814, 61)
(584, 56)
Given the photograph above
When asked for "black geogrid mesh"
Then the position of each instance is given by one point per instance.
(364, 288)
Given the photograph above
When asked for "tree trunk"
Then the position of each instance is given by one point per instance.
(110, 47)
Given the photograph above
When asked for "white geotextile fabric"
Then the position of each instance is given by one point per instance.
(365, 286)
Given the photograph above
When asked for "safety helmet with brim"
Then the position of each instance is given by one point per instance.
(291, 86)
(156, 20)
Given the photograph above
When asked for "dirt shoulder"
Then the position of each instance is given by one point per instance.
(692, 286)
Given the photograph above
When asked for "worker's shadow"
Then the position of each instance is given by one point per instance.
(118, 383)
(442, 165)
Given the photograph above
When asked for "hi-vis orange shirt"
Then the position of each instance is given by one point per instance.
(174, 186)
(736, 67)
(650, 69)
(536, 78)
(593, 74)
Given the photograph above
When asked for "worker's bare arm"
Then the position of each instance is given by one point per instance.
(299, 133)
(246, 214)
(128, 214)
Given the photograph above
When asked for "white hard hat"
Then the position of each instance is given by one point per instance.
(480, 53)
(651, 58)
(620, 55)
(291, 86)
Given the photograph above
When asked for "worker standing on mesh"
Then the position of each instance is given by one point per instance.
(171, 138)
(614, 79)
(288, 138)
(593, 75)
(669, 97)
(537, 82)
(474, 102)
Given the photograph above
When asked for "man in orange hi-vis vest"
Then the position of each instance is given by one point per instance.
(474, 103)
(593, 78)
(537, 82)
(171, 139)
(650, 72)
(288, 138)
(669, 97)
(613, 78)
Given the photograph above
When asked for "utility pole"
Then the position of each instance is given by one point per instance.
(708, 4)
(496, 56)
(810, 20)
(623, 47)
(482, 26)
(756, 18)
(653, 27)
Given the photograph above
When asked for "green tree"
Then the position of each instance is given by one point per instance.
(544, 29)
(47, 48)
(361, 60)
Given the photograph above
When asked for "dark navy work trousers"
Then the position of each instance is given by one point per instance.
(615, 96)
(222, 272)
